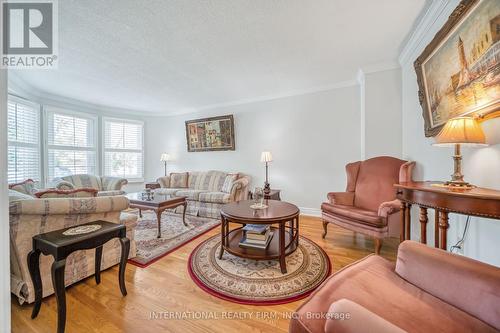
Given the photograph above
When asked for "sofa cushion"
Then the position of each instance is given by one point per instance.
(228, 182)
(168, 191)
(78, 193)
(211, 181)
(354, 213)
(373, 284)
(84, 181)
(215, 197)
(26, 187)
(189, 194)
(178, 180)
(110, 193)
(64, 185)
(15, 196)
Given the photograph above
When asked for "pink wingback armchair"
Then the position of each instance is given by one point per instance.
(369, 204)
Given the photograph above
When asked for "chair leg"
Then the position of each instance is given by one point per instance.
(378, 245)
(325, 229)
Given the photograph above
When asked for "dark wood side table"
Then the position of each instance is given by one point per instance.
(273, 195)
(152, 185)
(60, 244)
(158, 203)
(475, 202)
(286, 234)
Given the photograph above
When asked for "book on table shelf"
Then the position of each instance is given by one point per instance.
(255, 244)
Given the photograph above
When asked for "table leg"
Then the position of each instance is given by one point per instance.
(59, 289)
(184, 214)
(297, 230)
(402, 236)
(140, 213)
(125, 242)
(98, 258)
(222, 234)
(408, 221)
(158, 216)
(443, 229)
(282, 248)
(436, 228)
(423, 225)
(34, 268)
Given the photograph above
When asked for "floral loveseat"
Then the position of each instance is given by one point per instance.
(106, 186)
(207, 191)
(29, 216)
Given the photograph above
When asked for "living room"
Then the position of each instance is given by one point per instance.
(210, 166)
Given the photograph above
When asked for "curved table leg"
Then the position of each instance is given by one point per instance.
(125, 242)
(98, 257)
(59, 289)
(158, 216)
(34, 268)
(184, 214)
(222, 234)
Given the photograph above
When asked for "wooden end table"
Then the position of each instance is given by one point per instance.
(286, 234)
(159, 203)
(60, 245)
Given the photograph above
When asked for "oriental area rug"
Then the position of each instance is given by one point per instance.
(173, 235)
(258, 282)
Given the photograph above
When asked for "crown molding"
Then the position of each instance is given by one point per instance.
(421, 31)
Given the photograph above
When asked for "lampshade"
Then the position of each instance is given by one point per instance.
(266, 156)
(164, 157)
(461, 130)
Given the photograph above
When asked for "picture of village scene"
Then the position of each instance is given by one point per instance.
(462, 75)
(210, 134)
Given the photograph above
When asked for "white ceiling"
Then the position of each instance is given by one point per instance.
(178, 56)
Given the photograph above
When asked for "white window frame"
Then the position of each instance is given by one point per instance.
(52, 109)
(104, 149)
(36, 106)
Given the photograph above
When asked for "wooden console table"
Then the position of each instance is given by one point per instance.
(475, 202)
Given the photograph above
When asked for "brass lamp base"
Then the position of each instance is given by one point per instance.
(457, 178)
(459, 184)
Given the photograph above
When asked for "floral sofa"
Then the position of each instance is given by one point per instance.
(206, 191)
(106, 186)
(29, 216)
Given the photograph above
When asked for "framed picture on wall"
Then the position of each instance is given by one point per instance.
(458, 73)
(210, 134)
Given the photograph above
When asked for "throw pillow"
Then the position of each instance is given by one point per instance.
(25, 187)
(78, 193)
(178, 180)
(228, 182)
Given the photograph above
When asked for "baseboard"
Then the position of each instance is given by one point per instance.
(310, 211)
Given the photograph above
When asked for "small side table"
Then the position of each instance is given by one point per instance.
(273, 195)
(60, 244)
(152, 185)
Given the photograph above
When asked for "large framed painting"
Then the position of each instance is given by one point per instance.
(210, 134)
(458, 72)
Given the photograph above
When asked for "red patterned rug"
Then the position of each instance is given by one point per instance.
(173, 235)
(258, 282)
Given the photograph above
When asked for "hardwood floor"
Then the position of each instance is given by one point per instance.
(165, 288)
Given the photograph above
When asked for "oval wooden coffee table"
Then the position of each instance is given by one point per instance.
(284, 218)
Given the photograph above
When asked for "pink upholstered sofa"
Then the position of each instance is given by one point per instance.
(369, 205)
(427, 290)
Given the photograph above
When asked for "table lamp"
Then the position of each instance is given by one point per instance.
(164, 158)
(266, 157)
(456, 132)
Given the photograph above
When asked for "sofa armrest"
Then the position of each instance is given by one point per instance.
(164, 181)
(110, 193)
(113, 183)
(465, 283)
(345, 316)
(341, 198)
(389, 207)
(68, 206)
(239, 190)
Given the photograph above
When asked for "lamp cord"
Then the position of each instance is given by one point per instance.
(460, 242)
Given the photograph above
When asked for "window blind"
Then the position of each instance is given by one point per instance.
(123, 149)
(71, 144)
(23, 153)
